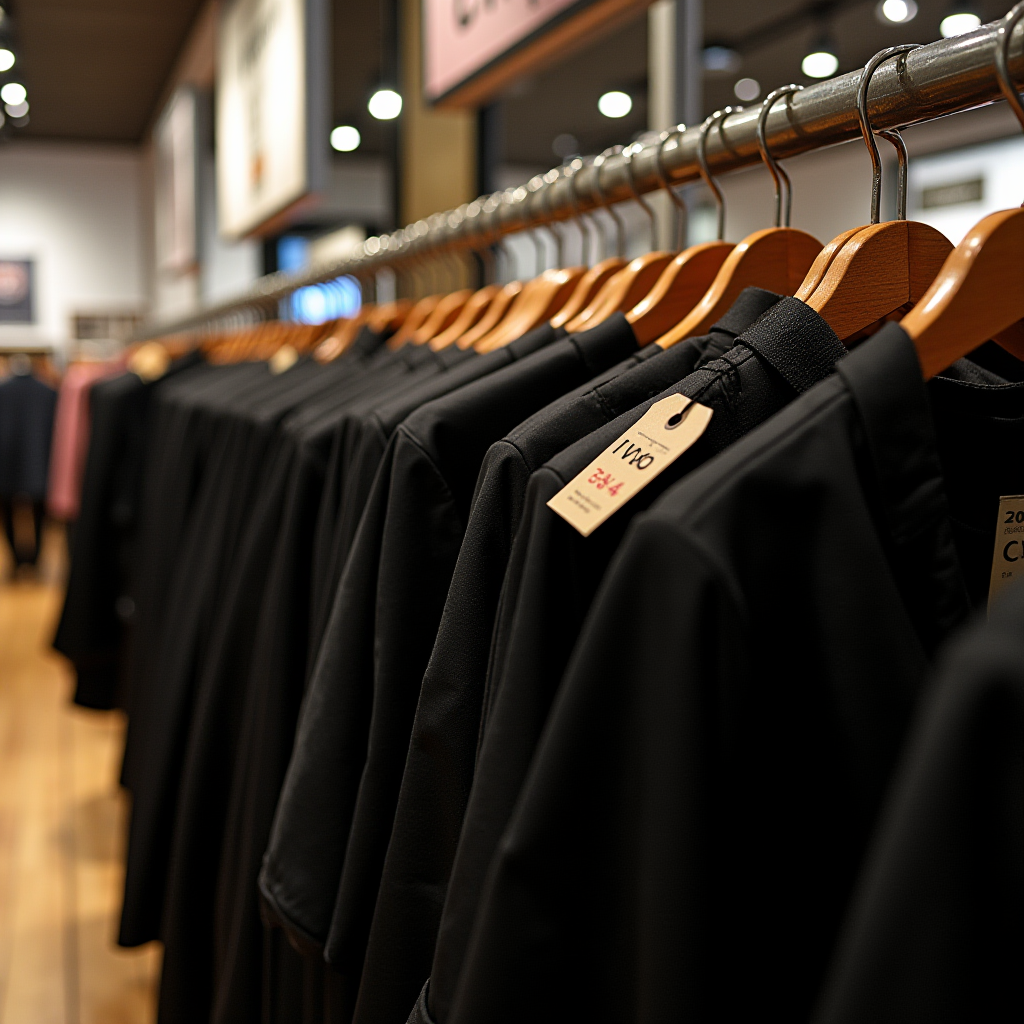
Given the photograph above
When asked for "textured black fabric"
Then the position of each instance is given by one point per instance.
(232, 461)
(276, 684)
(26, 426)
(717, 753)
(279, 671)
(442, 750)
(99, 608)
(936, 929)
(553, 574)
(337, 520)
(211, 720)
(390, 598)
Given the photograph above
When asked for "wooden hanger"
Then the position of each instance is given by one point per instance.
(775, 258)
(588, 288)
(979, 292)
(882, 267)
(443, 316)
(630, 285)
(496, 312)
(686, 278)
(597, 276)
(472, 312)
(549, 292)
(416, 318)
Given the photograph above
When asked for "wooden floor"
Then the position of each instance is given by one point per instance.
(61, 834)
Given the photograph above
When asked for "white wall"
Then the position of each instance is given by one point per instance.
(76, 210)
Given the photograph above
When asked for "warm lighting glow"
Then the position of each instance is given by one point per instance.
(6, 60)
(615, 104)
(385, 104)
(820, 64)
(897, 11)
(345, 138)
(958, 23)
(13, 93)
(747, 89)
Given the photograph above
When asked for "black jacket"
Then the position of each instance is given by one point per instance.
(553, 574)
(442, 750)
(936, 930)
(712, 767)
(26, 426)
(338, 801)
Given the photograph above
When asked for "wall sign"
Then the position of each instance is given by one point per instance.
(272, 125)
(176, 158)
(472, 48)
(17, 280)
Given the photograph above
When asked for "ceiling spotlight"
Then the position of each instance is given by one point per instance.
(345, 138)
(6, 60)
(18, 109)
(896, 11)
(820, 63)
(747, 89)
(13, 93)
(385, 105)
(721, 59)
(961, 18)
(615, 104)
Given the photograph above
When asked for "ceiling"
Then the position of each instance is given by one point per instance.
(95, 69)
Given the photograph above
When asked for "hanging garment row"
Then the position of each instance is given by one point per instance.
(596, 646)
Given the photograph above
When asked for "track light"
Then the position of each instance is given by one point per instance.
(385, 105)
(820, 63)
(345, 138)
(13, 93)
(615, 103)
(960, 19)
(897, 12)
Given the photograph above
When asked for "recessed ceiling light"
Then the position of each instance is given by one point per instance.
(345, 138)
(385, 105)
(13, 93)
(615, 104)
(960, 20)
(6, 59)
(820, 64)
(747, 89)
(897, 12)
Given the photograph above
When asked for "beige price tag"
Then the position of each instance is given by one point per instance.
(654, 442)
(1008, 554)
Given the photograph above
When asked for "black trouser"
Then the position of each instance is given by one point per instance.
(23, 553)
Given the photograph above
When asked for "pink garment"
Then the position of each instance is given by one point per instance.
(71, 436)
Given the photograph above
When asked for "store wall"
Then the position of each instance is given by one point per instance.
(76, 210)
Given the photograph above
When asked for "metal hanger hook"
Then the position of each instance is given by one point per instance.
(574, 167)
(702, 162)
(628, 154)
(677, 202)
(779, 175)
(865, 122)
(1003, 34)
(620, 228)
(892, 136)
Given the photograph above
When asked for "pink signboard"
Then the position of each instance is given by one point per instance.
(461, 37)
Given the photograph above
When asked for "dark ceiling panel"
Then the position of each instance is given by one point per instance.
(95, 69)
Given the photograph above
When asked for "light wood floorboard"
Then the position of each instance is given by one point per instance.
(61, 837)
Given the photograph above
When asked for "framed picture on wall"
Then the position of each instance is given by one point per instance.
(17, 286)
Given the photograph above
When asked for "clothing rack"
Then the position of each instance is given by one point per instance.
(941, 78)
